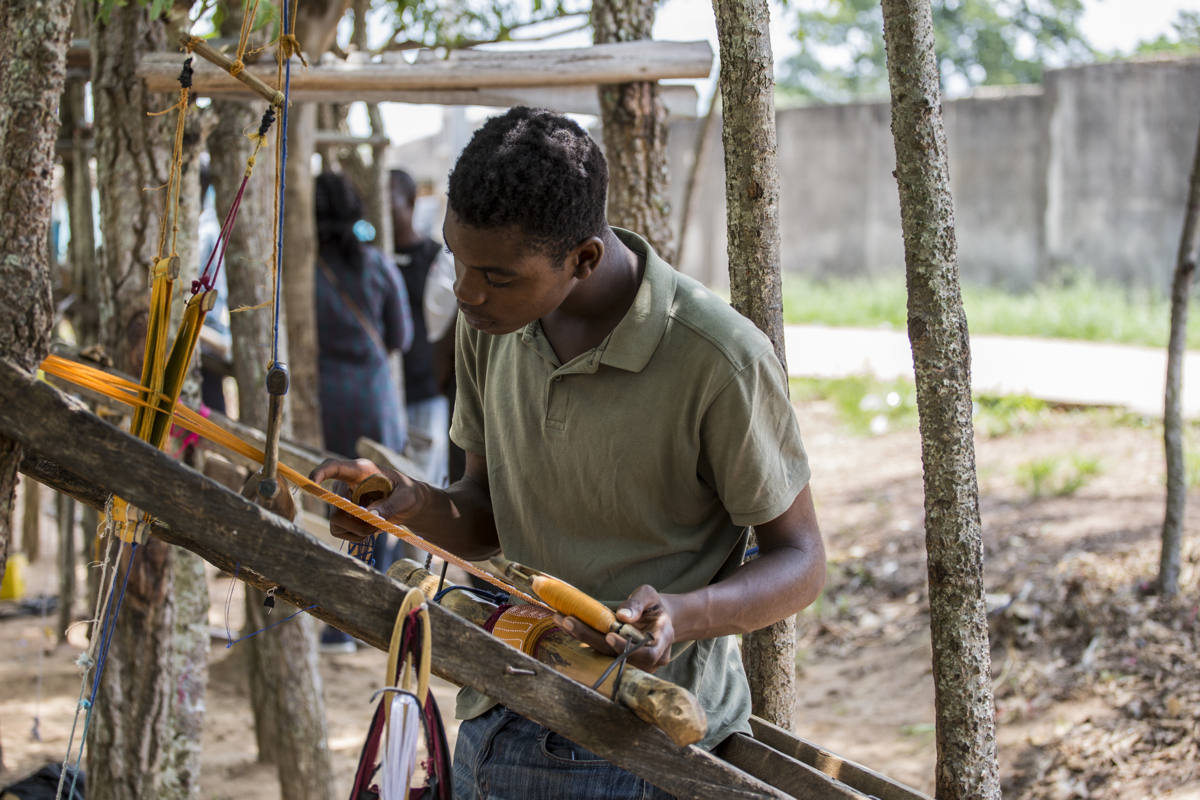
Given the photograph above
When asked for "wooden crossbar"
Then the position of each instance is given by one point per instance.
(619, 62)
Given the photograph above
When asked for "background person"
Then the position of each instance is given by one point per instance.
(362, 317)
(428, 275)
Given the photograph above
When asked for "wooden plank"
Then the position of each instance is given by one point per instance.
(865, 780)
(620, 62)
(773, 767)
(268, 551)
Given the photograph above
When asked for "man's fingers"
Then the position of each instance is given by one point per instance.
(396, 505)
(348, 527)
(640, 600)
(352, 472)
(584, 633)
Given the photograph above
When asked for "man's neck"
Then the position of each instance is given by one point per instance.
(598, 304)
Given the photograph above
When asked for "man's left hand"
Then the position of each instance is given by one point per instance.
(646, 610)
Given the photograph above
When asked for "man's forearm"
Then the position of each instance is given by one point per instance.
(776, 585)
(458, 518)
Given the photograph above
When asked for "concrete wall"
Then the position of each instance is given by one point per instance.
(1088, 174)
(1122, 138)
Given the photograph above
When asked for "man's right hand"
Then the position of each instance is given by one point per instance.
(406, 499)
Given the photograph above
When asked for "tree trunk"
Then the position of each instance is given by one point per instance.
(31, 521)
(299, 277)
(1185, 267)
(634, 120)
(65, 516)
(937, 328)
(285, 685)
(33, 51)
(144, 737)
(752, 200)
(316, 27)
(77, 186)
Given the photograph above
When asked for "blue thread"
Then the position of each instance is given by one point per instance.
(285, 28)
(272, 625)
(105, 640)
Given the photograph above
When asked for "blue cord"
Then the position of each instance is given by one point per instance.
(272, 625)
(283, 122)
(110, 625)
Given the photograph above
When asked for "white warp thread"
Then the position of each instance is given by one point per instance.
(400, 755)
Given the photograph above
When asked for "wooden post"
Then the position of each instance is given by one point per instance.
(31, 517)
(65, 512)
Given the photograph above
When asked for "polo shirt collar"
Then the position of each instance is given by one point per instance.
(633, 342)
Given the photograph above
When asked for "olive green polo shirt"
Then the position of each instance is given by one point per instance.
(642, 460)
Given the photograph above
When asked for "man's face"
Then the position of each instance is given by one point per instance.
(501, 281)
(402, 211)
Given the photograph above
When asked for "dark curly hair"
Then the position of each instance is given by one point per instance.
(338, 207)
(536, 170)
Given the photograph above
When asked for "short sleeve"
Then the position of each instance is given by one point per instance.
(751, 447)
(467, 429)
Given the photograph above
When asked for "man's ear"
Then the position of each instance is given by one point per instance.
(585, 257)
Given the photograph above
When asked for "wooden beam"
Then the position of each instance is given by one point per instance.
(861, 778)
(792, 776)
(265, 550)
(621, 62)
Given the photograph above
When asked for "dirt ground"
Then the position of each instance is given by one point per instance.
(1096, 680)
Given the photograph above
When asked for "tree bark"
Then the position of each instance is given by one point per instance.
(937, 328)
(144, 737)
(299, 278)
(31, 521)
(33, 53)
(1185, 268)
(77, 186)
(316, 26)
(285, 685)
(634, 122)
(752, 208)
(65, 517)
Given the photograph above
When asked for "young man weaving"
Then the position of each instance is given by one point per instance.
(623, 428)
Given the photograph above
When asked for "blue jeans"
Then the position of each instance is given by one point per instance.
(503, 756)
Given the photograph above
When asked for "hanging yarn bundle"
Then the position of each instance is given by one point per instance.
(407, 709)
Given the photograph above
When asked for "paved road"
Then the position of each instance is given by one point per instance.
(1083, 373)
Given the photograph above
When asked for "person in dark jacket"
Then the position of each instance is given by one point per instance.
(428, 275)
(362, 318)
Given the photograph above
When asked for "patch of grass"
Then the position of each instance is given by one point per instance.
(864, 404)
(1002, 415)
(1055, 476)
(1079, 307)
(1191, 457)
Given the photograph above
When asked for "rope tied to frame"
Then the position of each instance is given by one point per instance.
(289, 46)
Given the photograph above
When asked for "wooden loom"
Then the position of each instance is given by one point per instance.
(63, 440)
